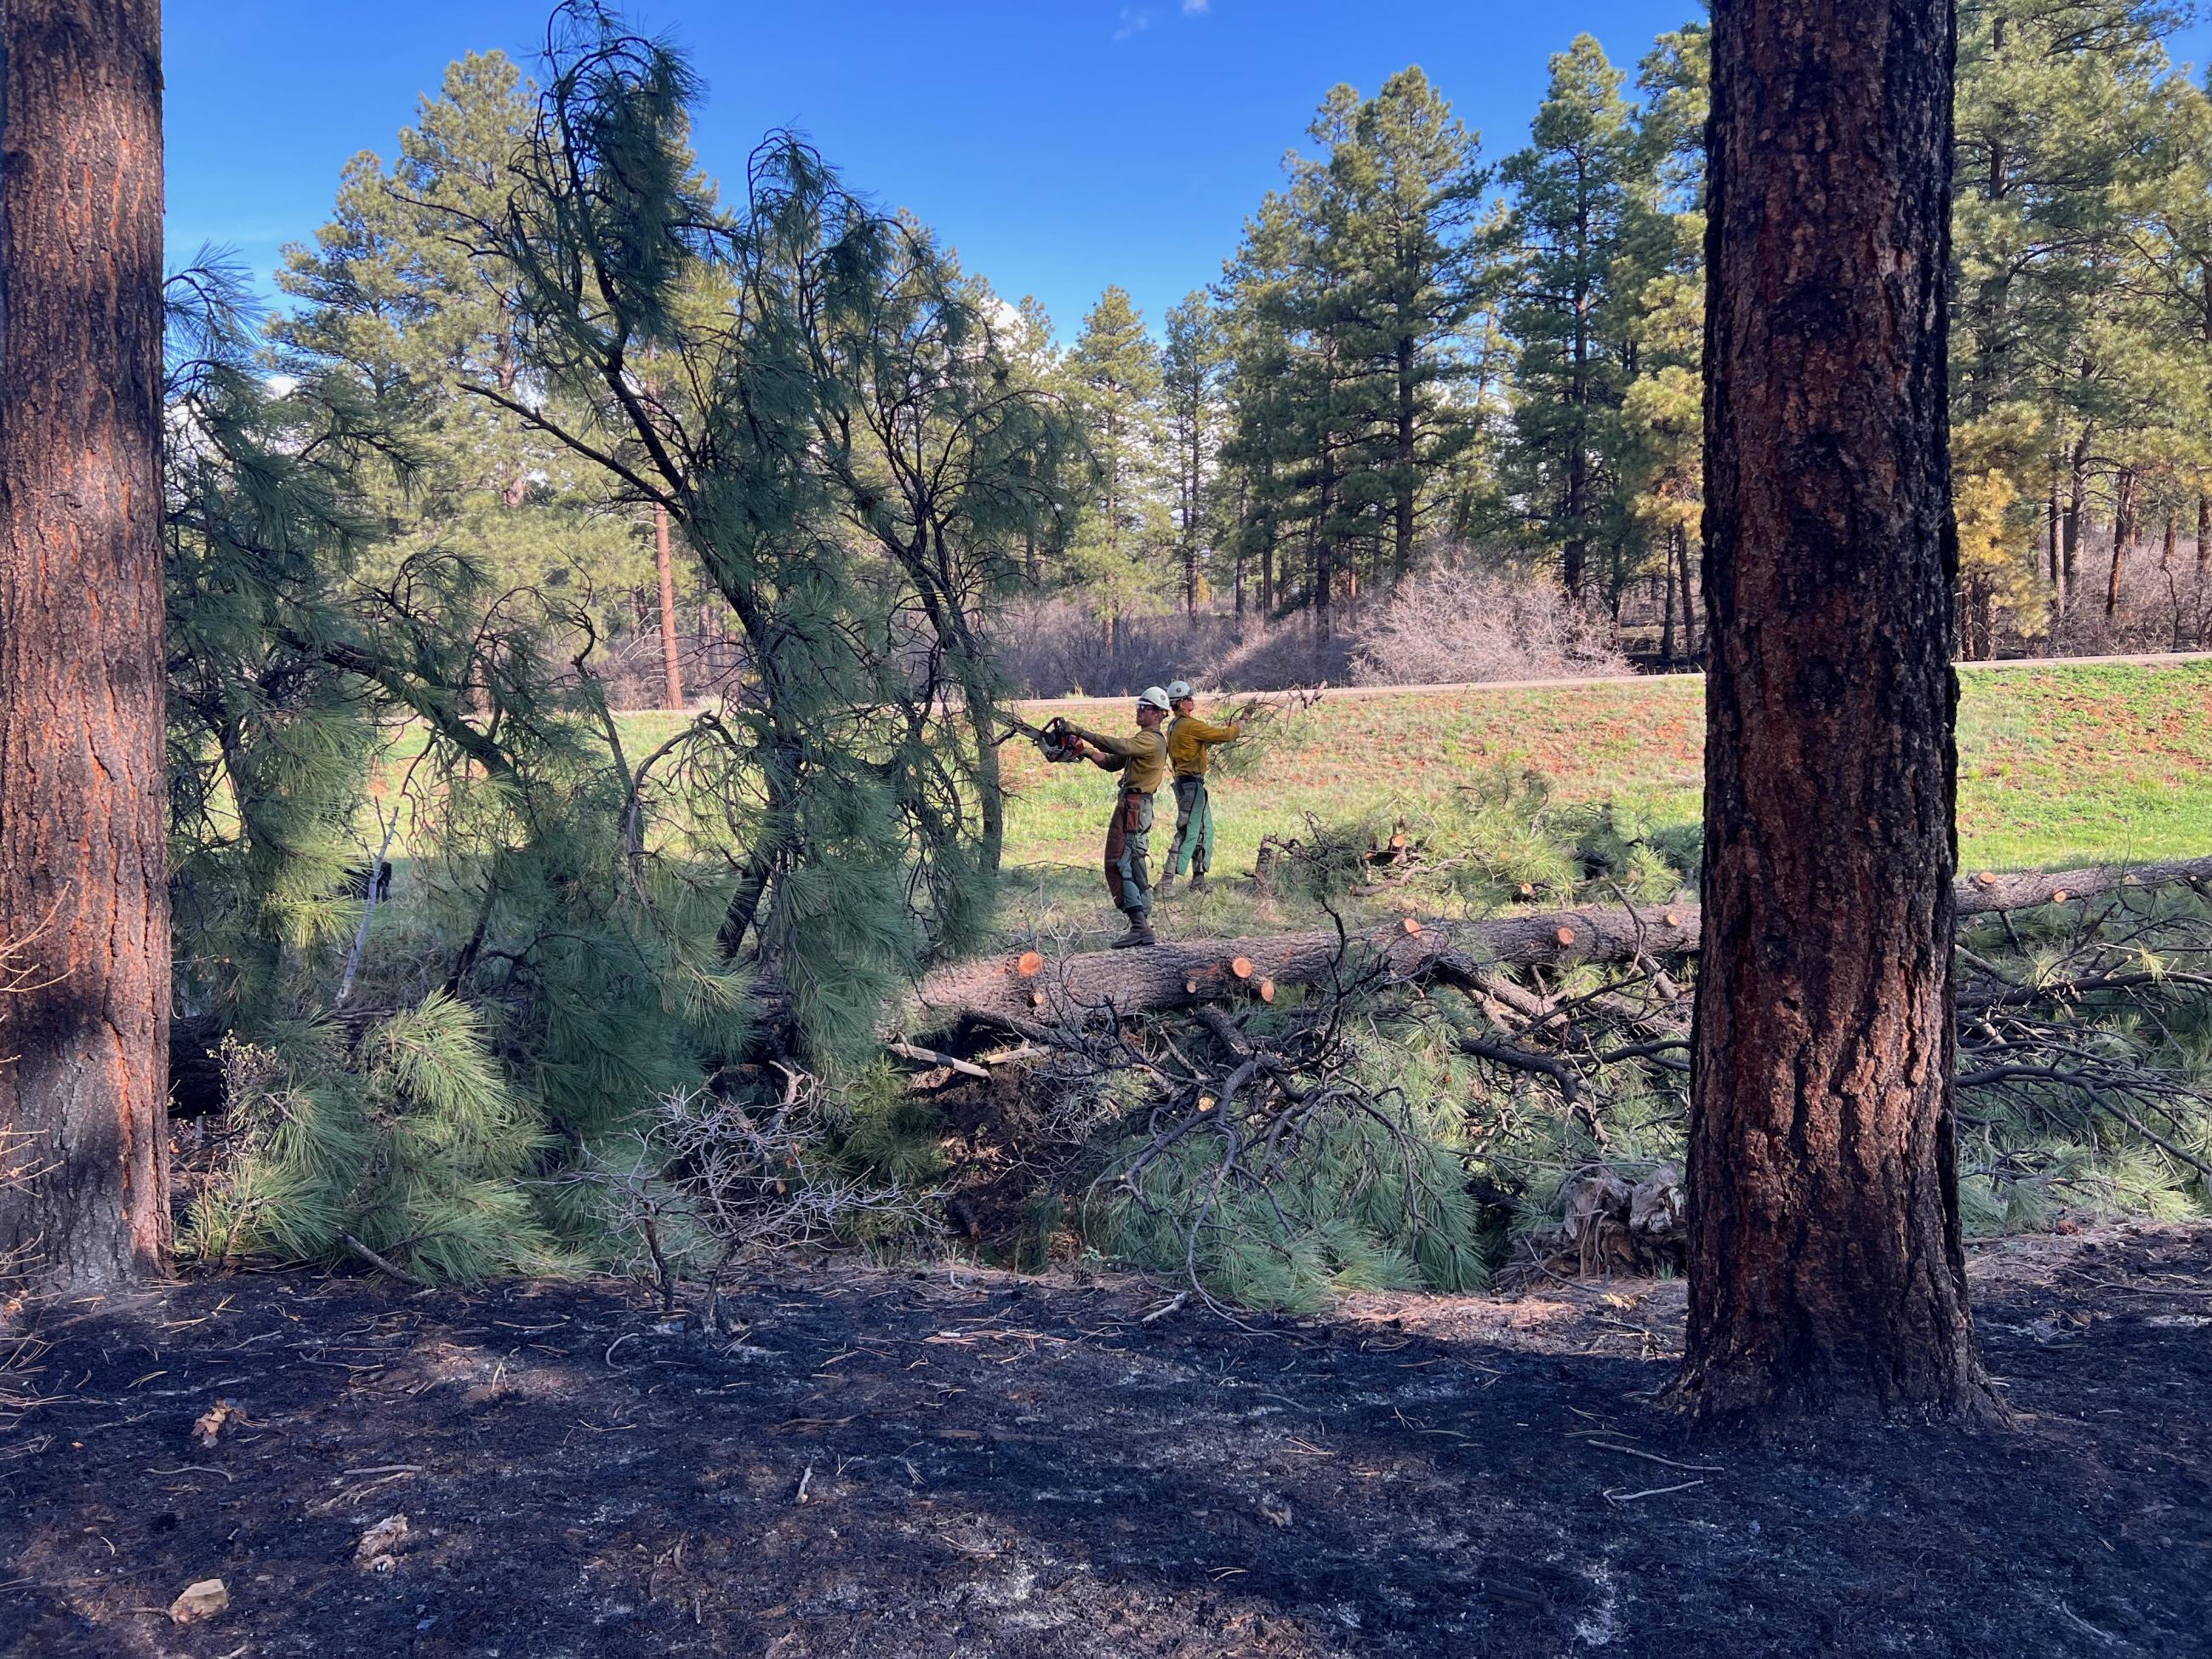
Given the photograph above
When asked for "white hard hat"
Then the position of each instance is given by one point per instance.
(1178, 690)
(1154, 695)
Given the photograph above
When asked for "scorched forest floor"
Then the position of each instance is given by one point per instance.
(956, 1463)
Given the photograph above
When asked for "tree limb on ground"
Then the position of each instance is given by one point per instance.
(1015, 992)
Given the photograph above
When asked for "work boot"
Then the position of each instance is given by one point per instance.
(1166, 888)
(1198, 883)
(1140, 933)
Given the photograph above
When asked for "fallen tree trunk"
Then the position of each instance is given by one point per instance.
(1019, 992)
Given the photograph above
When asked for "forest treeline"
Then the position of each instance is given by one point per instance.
(1422, 350)
(1416, 347)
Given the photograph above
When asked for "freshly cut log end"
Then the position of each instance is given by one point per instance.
(1029, 964)
(1674, 918)
(1986, 879)
(1411, 925)
(2058, 895)
(1266, 988)
(1564, 936)
(1242, 967)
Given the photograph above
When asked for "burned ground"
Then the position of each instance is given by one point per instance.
(950, 1462)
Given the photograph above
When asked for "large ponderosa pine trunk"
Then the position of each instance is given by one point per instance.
(84, 871)
(1825, 1266)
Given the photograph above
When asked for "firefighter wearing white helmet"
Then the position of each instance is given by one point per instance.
(1191, 744)
(1142, 760)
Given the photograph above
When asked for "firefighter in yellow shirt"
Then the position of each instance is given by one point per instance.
(1142, 760)
(1191, 743)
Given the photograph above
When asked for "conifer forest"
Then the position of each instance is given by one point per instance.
(1636, 673)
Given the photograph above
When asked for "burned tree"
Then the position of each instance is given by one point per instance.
(1825, 1266)
(83, 866)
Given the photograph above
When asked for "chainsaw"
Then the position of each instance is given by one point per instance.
(1056, 740)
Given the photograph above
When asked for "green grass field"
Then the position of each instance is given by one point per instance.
(2059, 765)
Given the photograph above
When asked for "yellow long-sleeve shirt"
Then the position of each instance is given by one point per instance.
(1191, 741)
(1141, 760)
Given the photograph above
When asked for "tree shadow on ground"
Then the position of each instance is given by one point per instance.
(940, 1463)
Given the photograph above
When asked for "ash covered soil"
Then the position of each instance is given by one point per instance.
(957, 1462)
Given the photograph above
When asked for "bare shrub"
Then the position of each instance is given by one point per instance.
(2163, 606)
(1459, 621)
(703, 1181)
(1059, 647)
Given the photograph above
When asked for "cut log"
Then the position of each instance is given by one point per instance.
(1001, 990)
(1138, 981)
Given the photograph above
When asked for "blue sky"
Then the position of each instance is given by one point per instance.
(1059, 144)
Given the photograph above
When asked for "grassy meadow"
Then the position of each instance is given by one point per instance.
(2059, 764)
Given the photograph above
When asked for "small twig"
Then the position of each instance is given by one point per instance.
(806, 1481)
(1174, 1303)
(355, 1248)
(1654, 1457)
(2080, 1623)
(930, 1057)
(1612, 1497)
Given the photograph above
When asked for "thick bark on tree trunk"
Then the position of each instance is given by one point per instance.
(83, 865)
(1825, 1266)
(672, 691)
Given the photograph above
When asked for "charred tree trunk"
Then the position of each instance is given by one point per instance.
(83, 866)
(1825, 1266)
(1667, 627)
(672, 691)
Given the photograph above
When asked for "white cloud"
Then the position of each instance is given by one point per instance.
(1194, 8)
(1134, 21)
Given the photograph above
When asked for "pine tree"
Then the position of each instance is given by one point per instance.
(84, 914)
(1662, 413)
(1826, 1270)
(1400, 205)
(1190, 372)
(1113, 372)
(782, 329)
(2062, 123)
(1269, 405)
(388, 291)
(420, 1075)
(1577, 190)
